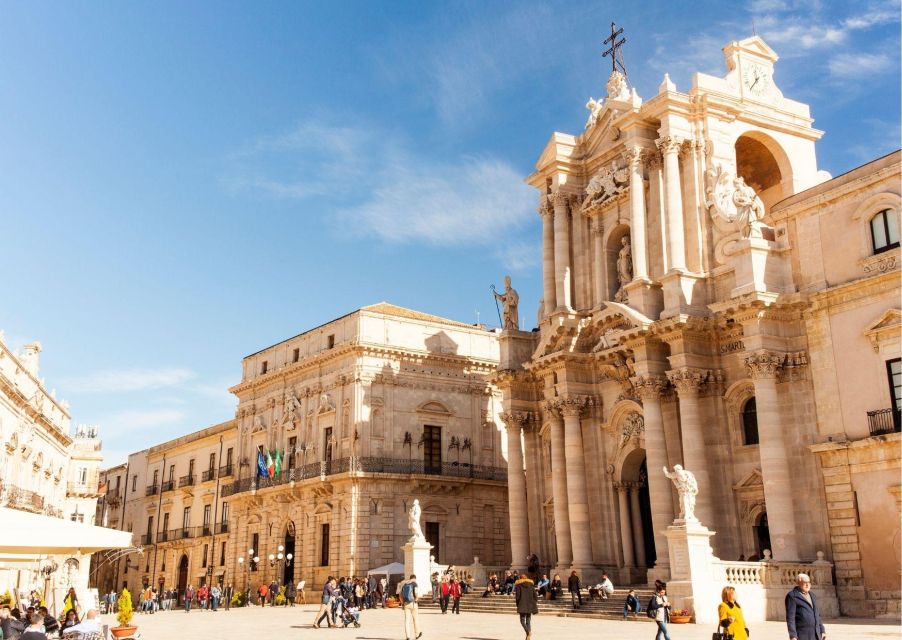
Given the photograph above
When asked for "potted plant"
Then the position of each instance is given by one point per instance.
(392, 602)
(125, 628)
(680, 616)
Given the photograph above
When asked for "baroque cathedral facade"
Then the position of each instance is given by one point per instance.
(710, 299)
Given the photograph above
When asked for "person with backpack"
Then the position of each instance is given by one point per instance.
(407, 590)
(659, 610)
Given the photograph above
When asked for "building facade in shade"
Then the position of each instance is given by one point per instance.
(45, 469)
(170, 498)
(710, 299)
(369, 411)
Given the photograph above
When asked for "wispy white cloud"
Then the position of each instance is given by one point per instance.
(857, 65)
(519, 256)
(126, 380)
(376, 185)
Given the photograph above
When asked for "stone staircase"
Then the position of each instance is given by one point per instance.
(610, 609)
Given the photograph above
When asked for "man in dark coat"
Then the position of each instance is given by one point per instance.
(574, 587)
(803, 620)
(527, 603)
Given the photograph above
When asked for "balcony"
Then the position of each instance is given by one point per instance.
(208, 475)
(168, 485)
(182, 534)
(363, 466)
(222, 527)
(883, 421)
(152, 490)
(205, 530)
(146, 539)
(225, 470)
(163, 536)
(113, 499)
(187, 481)
(25, 500)
(82, 489)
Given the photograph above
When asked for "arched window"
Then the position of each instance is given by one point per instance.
(749, 422)
(884, 231)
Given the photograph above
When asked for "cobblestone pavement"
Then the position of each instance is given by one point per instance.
(387, 624)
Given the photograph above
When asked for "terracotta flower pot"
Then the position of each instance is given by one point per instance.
(680, 619)
(392, 604)
(123, 631)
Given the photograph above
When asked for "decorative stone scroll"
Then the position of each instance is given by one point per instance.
(605, 185)
(732, 201)
(633, 427)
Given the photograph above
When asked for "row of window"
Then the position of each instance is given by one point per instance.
(296, 354)
(211, 470)
(186, 518)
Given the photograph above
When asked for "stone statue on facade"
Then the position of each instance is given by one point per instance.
(292, 409)
(749, 208)
(687, 487)
(509, 299)
(731, 200)
(413, 521)
(624, 268)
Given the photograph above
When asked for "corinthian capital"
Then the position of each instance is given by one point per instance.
(634, 156)
(560, 199)
(669, 144)
(545, 208)
(572, 405)
(515, 419)
(763, 364)
(687, 380)
(649, 387)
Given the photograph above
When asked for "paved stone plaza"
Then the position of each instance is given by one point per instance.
(386, 624)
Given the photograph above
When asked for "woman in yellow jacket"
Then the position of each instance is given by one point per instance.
(730, 615)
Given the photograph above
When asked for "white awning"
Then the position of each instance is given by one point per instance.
(29, 533)
(393, 569)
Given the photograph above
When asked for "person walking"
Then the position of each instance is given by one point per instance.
(290, 594)
(435, 590)
(273, 592)
(803, 620)
(573, 586)
(659, 605)
(215, 597)
(407, 590)
(455, 596)
(189, 596)
(325, 608)
(730, 615)
(227, 594)
(444, 594)
(527, 600)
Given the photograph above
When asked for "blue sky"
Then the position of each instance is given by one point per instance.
(182, 184)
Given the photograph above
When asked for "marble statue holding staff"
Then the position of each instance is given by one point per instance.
(687, 487)
(510, 299)
(413, 521)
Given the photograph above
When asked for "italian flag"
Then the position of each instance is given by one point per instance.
(278, 466)
(270, 465)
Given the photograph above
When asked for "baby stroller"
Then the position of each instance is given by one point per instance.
(348, 615)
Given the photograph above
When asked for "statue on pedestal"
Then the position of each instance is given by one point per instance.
(413, 521)
(687, 487)
(509, 299)
(624, 268)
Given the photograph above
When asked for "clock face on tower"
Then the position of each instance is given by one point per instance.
(756, 78)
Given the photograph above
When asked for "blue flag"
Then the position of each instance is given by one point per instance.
(261, 465)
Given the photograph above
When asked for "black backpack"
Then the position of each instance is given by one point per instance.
(652, 609)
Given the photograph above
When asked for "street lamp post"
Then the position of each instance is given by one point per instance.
(247, 568)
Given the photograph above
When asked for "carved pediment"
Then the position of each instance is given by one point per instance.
(886, 327)
(433, 406)
(750, 484)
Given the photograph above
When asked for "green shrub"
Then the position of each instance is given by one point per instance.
(125, 608)
(6, 598)
(280, 597)
(239, 599)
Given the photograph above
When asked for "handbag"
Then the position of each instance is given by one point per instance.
(720, 634)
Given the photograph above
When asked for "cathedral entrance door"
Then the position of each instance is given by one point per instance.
(648, 532)
(288, 572)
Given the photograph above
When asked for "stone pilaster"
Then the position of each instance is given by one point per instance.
(673, 200)
(638, 531)
(548, 274)
(626, 533)
(649, 389)
(516, 489)
(599, 265)
(763, 367)
(687, 382)
(563, 272)
(638, 225)
(572, 407)
(559, 490)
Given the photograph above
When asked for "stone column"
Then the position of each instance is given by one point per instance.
(673, 201)
(638, 225)
(599, 261)
(638, 531)
(516, 490)
(763, 367)
(559, 489)
(562, 270)
(577, 494)
(687, 382)
(660, 495)
(548, 273)
(626, 534)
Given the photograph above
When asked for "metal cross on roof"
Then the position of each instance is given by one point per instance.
(615, 50)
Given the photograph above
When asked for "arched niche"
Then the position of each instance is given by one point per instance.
(612, 247)
(764, 165)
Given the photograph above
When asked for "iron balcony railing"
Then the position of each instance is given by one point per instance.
(182, 534)
(186, 481)
(146, 539)
(169, 485)
(222, 527)
(209, 474)
(884, 421)
(152, 490)
(368, 465)
(225, 470)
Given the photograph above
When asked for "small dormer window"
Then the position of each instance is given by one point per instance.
(296, 355)
(264, 367)
(331, 341)
(884, 231)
